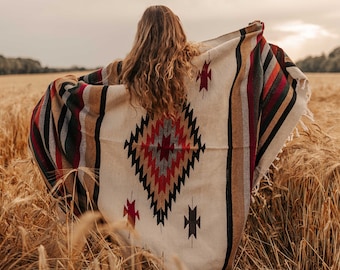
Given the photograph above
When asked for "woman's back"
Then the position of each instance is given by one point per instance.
(160, 58)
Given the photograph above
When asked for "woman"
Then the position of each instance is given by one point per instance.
(183, 184)
(158, 62)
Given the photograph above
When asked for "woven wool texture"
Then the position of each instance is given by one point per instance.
(184, 183)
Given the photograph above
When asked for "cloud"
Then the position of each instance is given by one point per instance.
(301, 38)
(91, 33)
(304, 30)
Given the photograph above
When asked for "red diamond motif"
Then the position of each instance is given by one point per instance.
(163, 151)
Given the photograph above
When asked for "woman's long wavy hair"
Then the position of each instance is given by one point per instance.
(158, 62)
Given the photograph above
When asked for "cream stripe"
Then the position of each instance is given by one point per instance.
(105, 78)
(272, 64)
(64, 129)
(265, 51)
(82, 146)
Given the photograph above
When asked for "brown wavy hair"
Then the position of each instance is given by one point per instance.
(158, 62)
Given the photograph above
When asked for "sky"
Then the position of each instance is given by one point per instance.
(89, 33)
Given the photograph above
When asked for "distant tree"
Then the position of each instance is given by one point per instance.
(19, 65)
(323, 63)
(4, 66)
(333, 64)
(26, 65)
(335, 53)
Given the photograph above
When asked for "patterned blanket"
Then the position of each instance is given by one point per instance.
(184, 183)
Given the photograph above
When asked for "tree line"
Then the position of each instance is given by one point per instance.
(28, 66)
(322, 63)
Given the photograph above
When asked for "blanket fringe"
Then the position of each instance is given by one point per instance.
(308, 114)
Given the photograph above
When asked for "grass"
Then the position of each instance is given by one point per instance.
(294, 221)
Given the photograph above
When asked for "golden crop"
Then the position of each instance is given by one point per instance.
(294, 221)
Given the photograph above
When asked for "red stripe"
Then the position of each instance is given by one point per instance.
(99, 75)
(38, 152)
(279, 88)
(271, 79)
(52, 90)
(37, 112)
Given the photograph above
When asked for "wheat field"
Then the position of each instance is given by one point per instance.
(294, 221)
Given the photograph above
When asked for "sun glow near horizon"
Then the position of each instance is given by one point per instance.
(297, 37)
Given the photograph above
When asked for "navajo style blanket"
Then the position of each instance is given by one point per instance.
(185, 183)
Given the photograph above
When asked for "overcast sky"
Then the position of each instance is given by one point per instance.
(61, 33)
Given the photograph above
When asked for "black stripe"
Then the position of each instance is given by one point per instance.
(229, 203)
(294, 84)
(45, 163)
(276, 128)
(269, 57)
(72, 135)
(96, 137)
(82, 202)
(278, 103)
(93, 78)
(62, 90)
(61, 118)
(290, 64)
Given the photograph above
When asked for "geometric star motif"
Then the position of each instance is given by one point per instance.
(163, 151)
(129, 210)
(192, 222)
(204, 75)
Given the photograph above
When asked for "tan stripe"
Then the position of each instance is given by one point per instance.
(112, 75)
(238, 166)
(56, 106)
(93, 105)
